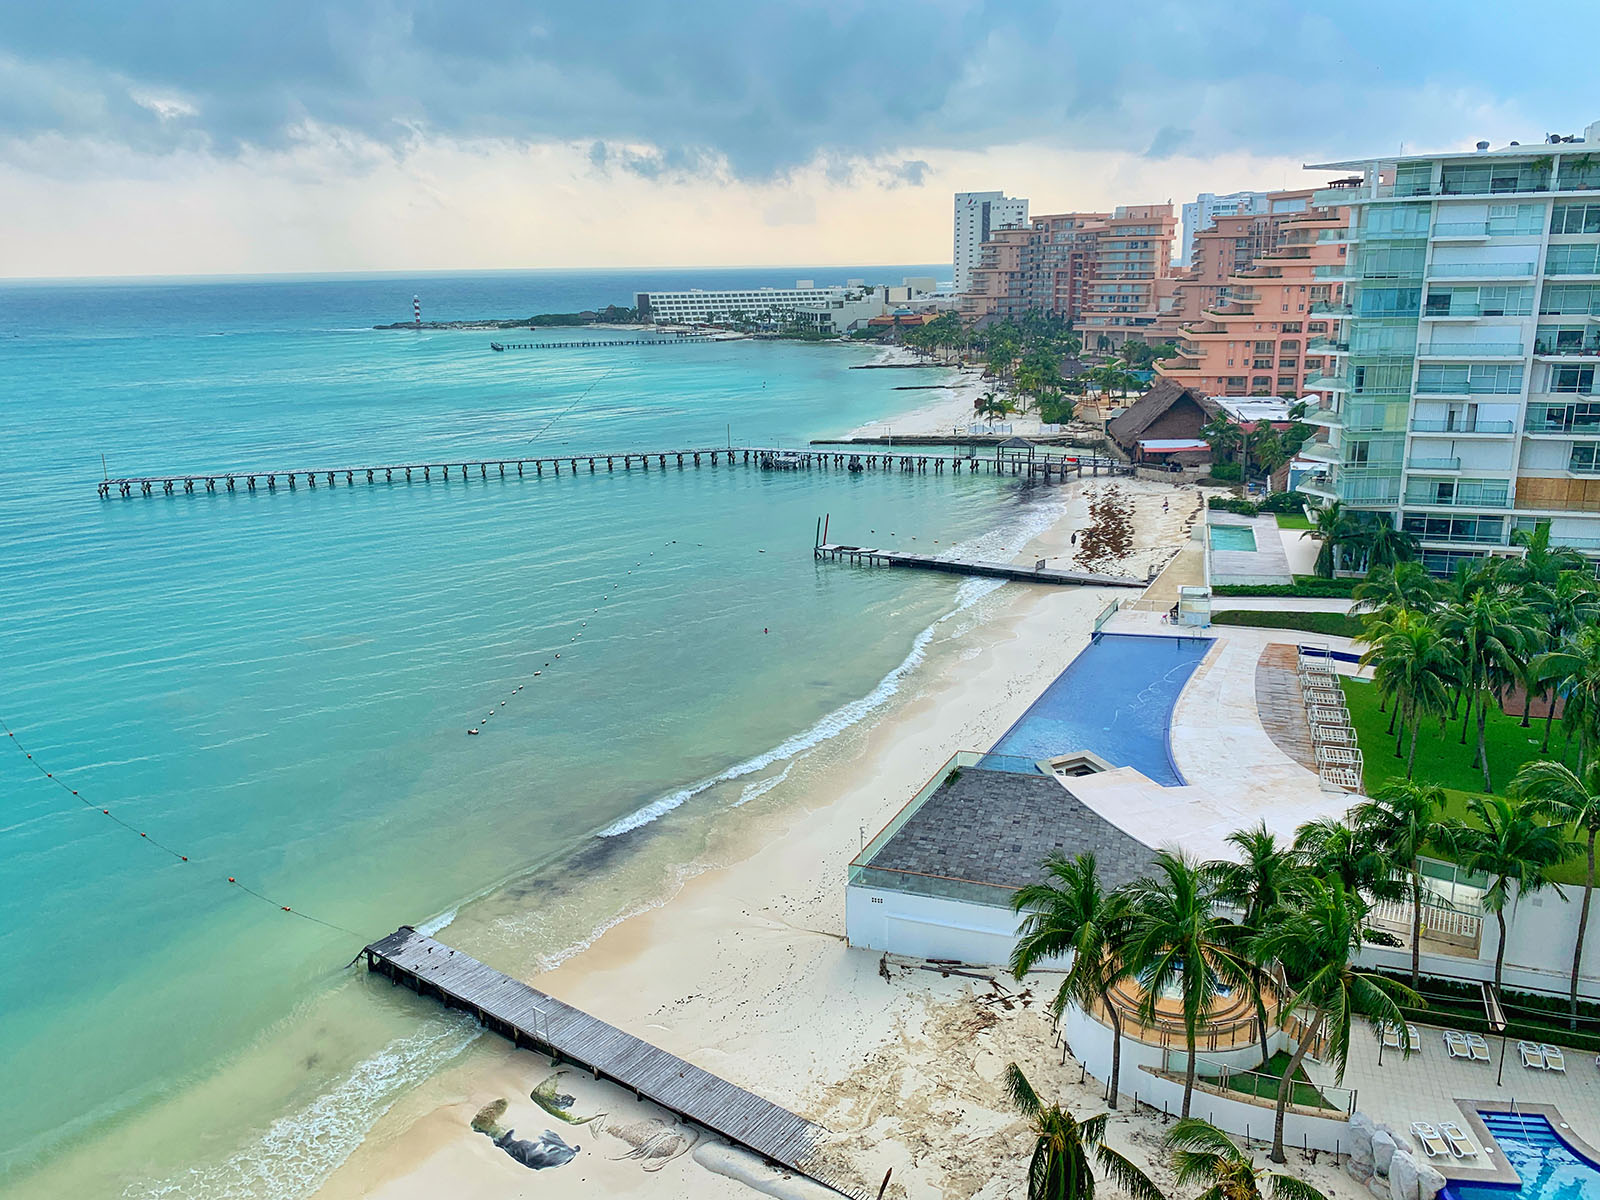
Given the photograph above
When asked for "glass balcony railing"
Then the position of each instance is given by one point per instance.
(1455, 536)
(1433, 464)
(1460, 426)
(1584, 468)
(1460, 495)
(1486, 270)
(1473, 349)
(1485, 229)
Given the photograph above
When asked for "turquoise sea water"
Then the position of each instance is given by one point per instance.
(279, 686)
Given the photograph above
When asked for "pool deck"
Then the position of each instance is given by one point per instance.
(1267, 563)
(1237, 775)
(1430, 1086)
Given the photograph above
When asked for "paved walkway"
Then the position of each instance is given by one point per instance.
(1282, 705)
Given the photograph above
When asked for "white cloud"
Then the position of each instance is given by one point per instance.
(168, 108)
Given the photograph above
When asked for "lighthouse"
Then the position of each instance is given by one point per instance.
(416, 312)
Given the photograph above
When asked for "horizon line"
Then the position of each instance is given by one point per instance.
(219, 276)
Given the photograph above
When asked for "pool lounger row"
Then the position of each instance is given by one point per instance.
(1542, 1056)
(1447, 1140)
(1470, 1046)
(1338, 757)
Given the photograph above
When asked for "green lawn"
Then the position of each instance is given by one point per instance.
(1293, 521)
(1444, 760)
(1330, 624)
(1265, 1085)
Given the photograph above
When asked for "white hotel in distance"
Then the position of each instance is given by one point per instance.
(1462, 404)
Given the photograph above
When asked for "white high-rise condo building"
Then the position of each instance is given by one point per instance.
(977, 215)
(1462, 404)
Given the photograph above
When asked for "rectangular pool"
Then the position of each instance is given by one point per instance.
(1233, 537)
(1549, 1168)
(1115, 699)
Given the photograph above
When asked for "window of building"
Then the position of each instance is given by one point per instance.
(1585, 459)
(1313, 364)
(1261, 382)
(1572, 379)
(1291, 327)
(1576, 218)
(1285, 381)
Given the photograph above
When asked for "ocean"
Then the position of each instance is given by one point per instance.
(276, 688)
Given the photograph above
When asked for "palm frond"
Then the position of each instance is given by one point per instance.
(1122, 1172)
(1287, 1187)
(1020, 1092)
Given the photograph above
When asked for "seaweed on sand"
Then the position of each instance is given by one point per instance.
(558, 1104)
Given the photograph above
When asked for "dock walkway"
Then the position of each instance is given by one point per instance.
(602, 342)
(867, 556)
(532, 1019)
(1047, 468)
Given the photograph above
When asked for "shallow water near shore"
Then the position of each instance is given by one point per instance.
(279, 686)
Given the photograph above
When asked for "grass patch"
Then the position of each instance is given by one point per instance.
(1306, 586)
(1328, 624)
(1293, 521)
(1445, 761)
(1265, 1085)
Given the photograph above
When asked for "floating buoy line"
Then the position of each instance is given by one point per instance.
(161, 846)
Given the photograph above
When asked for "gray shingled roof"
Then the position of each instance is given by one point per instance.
(996, 827)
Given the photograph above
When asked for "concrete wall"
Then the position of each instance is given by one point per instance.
(1090, 1042)
(929, 927)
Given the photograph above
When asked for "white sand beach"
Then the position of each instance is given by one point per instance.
(746, 973)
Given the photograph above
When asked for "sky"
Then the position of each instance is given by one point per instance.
(224, 138)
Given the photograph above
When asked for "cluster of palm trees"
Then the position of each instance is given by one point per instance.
(1066, 1150)
(1279, 926)
(1259, 446)
(1444, 649)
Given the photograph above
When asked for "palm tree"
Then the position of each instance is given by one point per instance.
(1491, 633)
(1574, 801)
(1060, 1168)
(1203, 1154)
(1413, 663)
(1541, 563)
(1223, 436)
(1567, 605)
(1314, 939)
(1403, 819)
(1381, 542)
(1071, 914)
(1573, 669)
(1331, 848)
(1179, 939)
(1513, 848)
(1332, 525)
(1266, 875)
(1405, 586)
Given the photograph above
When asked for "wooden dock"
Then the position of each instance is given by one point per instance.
(675, 341)
(1042, 467)
(866, 556)
(533, 1020)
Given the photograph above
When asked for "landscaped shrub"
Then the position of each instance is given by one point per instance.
(1234, 504)
(1283, 502)
(1306, 586)
(1227, 472)
(1327, 624)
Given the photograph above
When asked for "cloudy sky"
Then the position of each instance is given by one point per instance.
(209, 137)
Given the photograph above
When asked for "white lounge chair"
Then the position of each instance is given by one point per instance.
(1554, 1059)
(1391, 1036)
(1456, 1044)
(1460, 1144)
(1532, 1055)
(1479, 1047)
(1432, 1143)
(1413, 1040)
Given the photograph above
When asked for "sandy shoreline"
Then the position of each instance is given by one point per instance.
(745, 972)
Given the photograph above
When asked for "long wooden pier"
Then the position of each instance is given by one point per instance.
(674, 341)
(532, 1019)
(1045, 467)
(867, 556)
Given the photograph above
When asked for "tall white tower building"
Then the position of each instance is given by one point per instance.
(977, 214)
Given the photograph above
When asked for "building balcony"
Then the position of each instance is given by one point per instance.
(1491, 428)
(1329, 383)
(1461, 496)
(1322, 345)
(1484, 270)
(1466, 311)
(1433, 464)
(1481, 230)
(1547, 350)
(1333, 309)
(1320, 452)
(1472, 350)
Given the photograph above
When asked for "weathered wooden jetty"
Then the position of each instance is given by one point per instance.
(867, 556)
(675, 341)
(536, 1021)
(1045, 467)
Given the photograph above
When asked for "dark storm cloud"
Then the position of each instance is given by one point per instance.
(769, 86)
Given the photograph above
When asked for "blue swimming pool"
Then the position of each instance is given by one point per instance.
(1233, 537)
(1549, 1168)
(1115, 699)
